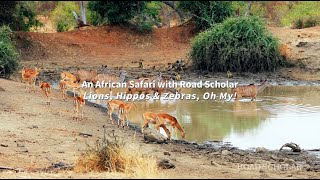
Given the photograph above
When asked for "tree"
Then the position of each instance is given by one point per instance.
(207, 13)
(117, 12)
(7, 9)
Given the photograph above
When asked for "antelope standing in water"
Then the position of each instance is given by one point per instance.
(249, 90)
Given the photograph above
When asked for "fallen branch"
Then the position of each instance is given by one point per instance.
(10, 168)
(293, 146)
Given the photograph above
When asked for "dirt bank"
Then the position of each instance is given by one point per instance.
(119, 47)
(35, 136)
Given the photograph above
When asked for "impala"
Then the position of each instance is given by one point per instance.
(114, 104)
(249, 90)
(29, 77)
(78, 103)
(46, 89)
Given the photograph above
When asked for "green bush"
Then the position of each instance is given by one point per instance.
(240, 44)
(62, 15)
(8, 54)
(311, 22)
(115, 12)
(306, 11)
(298, 24)
(7, 8)
(25, 17)
(207, 13)
(94, 18)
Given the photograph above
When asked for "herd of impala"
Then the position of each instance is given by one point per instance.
(73, 81)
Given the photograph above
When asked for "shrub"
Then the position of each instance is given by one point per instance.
(25, 17)
(311, 22)
(306, 11)
(62, 15)
(240, 44)
(94, 18)
(116, 156)
(115, 12)
(7, 8)
(298, 24)
(207, 13)
(8, 54)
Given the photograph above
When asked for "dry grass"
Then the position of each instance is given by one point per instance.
(116, 156)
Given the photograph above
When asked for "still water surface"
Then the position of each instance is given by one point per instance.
(280, 115)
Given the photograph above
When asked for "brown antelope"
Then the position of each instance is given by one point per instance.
(123, 111)
(67, 85)
(114, 104)
(150, 117)
(249, 90)
(84, 75)
(46, 89)
(166, 119)
(78, 103)
(65, 76)
(109, 78)
(29, 77)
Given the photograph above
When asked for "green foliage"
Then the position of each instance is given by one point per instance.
(62, 15)
(25, 16)
(241, 44)
(19, 15)
(306, 12)
(207, 13)
(7, 8)
(94, 18)
(258, 8)
(115, 12)
(8, 54)
(144, 22)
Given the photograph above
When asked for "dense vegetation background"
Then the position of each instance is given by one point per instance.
(232, 34)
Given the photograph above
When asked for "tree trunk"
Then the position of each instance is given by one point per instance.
(249, 8)
(83, 13)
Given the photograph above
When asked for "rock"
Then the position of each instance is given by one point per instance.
(215, 164)
(300, 44)
(261, 150)
(289, 161)
(151, 135)
(166, 153)
(274, 157)
(226, 153)
(165, 163)
(3, 145)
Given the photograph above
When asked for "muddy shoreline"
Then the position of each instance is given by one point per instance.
(57, 137)
(276, 78)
